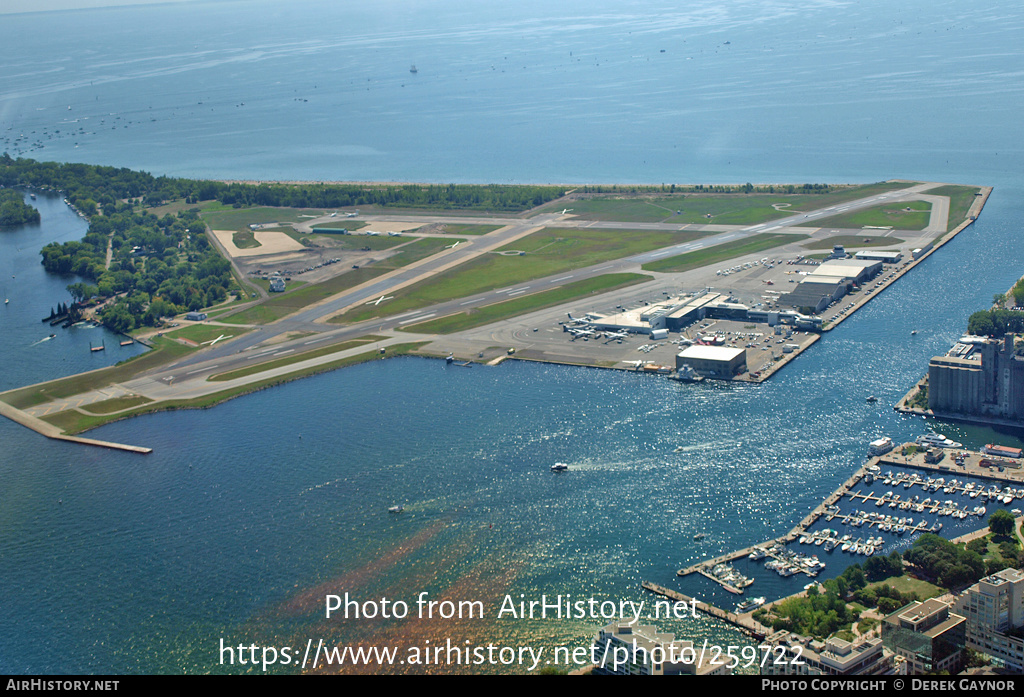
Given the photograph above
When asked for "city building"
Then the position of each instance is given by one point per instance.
(994, 608)
(984, 379)
(927, 636)
(622, 648)
(785, 653)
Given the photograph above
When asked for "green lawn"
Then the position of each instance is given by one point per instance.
(245, 239)
(414, 251)
(853, 241)
(721, 252)
(279, 305)
(458, 229)
(220, 217)
(527, 303)
(904, 215)
(907, 584)
(546, 252)
(724, 209)
(201, 333)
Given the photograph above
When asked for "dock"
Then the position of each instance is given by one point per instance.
(744, 622)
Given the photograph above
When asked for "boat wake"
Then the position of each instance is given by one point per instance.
(45, 338)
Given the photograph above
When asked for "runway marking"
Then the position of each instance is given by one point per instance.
(604, 267)
(661, 254)
(504, 290)
(199, 370)
(563, 278)
(281, 353)
(417, 319)
(313, 341)
(467, 302)
(517, 292)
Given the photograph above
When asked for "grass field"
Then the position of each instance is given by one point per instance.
(414, 251)
(245, 239)
(357, 243)
(721, 252)
(905, 215)
(853, 241)
(725, 209)
(280, 305)
(527, 303)
(907, 584)
(457, 229)
(221, 217)
(546, 252)
(201, 333)
(960, 200)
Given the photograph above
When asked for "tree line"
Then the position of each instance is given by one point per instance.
(91, 188)
(14, 210)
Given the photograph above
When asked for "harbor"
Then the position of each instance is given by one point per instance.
(894, 497)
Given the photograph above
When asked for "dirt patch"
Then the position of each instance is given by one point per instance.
(270, 243)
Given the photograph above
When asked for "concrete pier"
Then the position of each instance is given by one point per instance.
(51, 431)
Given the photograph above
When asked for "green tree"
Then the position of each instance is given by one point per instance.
(1001, 522)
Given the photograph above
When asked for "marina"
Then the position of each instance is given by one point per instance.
(890, 507)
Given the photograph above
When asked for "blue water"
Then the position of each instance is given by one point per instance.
(246, 515)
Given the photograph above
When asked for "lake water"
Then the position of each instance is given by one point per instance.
(246, 515)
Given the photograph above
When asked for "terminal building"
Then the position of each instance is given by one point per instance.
(927, 636)
(994, 608)
(982, 378)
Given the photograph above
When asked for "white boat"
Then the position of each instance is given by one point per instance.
(938, 440)
(559, 467)
(396, 509)
(749, 605)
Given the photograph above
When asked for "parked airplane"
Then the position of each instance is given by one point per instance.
(379, 300)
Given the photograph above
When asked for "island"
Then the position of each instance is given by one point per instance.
(237, 286)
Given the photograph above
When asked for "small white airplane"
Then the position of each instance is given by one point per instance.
(453, 246)
(566, 210)
(334, 214)
(371, 233)
(379, 300)
(394, 234)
